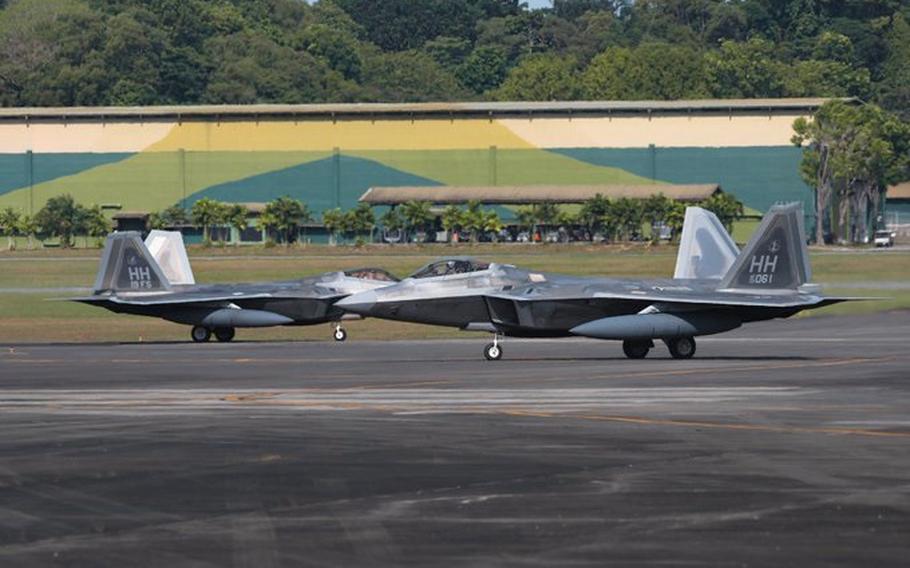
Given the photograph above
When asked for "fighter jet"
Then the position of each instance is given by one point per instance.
(715, 288)
(154, 278)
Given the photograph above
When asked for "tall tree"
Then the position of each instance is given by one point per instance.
(851, 153)
(59, 218)
(744, 70)
(649, 71)
(540, 78)
(895, 86)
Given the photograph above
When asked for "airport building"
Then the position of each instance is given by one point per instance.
(146, 159)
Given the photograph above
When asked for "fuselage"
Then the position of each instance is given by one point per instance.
(524, 303)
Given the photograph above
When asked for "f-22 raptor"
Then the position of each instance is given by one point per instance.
(715, 289)
(154, 278)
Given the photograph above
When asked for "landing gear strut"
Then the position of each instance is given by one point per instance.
(339, 334)
(200, 334)
(681, 347)
(637, 349)
(492, 351)
(224, 334)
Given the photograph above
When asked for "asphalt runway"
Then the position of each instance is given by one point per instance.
(781, 444)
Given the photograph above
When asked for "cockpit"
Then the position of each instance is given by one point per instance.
(376, 274)
(450, 266)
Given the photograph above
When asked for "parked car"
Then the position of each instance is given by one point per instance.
(884, 239)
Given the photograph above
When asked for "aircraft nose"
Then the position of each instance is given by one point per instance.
(359, 303)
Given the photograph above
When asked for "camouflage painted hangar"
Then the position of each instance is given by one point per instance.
(149, 158)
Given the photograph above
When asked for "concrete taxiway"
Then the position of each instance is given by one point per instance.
(782, 444)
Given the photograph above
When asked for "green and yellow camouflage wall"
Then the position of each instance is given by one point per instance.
(143, 164)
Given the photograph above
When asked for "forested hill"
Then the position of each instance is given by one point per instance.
(146, 52)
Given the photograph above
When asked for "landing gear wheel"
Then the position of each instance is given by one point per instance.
(636, 349)
(681, 347)
(200, 334)
(492, 352)
(339, 334)
(224, 334)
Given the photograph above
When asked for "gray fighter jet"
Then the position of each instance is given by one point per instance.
(132, 279)
(715, 289)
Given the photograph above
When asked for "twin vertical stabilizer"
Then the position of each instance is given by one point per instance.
(776, 257)
(706, 250)
(128, 266)
(167, 248)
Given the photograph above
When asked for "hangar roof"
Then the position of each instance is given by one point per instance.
(521, 194)
(371, 111)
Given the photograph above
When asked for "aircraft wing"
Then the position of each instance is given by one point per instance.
(204, 298)
(681, 296)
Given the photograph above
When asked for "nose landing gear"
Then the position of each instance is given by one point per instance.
(339, 334)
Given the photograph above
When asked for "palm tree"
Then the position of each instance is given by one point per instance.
(266, 223)
(451, 220)
(472, 219)
(610, 222)
(391, 221)
(361, 219)
(675, 218)
(417, 215)
(592, 214)
(492, 223)
(236, 217)
(726, 207)
(288, 215)
(628, 213)
(205, 213)
(93, 223)
(334, 222)
(9, 226)
(171, 217)
(28, 227)
(525, 217)
(654, 210)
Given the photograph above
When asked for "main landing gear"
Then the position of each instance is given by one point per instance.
(339, 333)
(202, 334)
(637, 348)
(680, 347)
(224, 334)
(492, 351)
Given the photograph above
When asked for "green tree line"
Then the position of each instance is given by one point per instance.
(598, 218)
(61, 218)
(143, 52)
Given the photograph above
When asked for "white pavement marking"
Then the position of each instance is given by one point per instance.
(421, 400)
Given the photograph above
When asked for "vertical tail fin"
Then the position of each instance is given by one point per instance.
(169, 252)
(776, 257)
(706, 250)
(127, 265)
